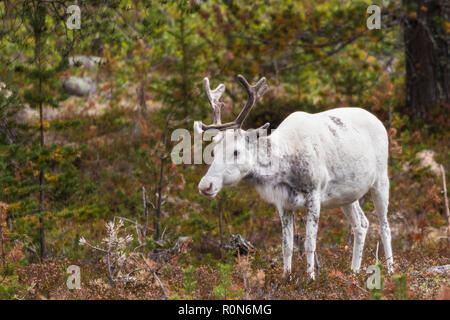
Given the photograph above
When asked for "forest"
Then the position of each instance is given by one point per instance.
(94, 204)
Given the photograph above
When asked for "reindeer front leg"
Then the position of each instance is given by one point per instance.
(287, 226)
(312, 223)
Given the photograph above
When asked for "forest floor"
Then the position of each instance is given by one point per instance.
(190, 263)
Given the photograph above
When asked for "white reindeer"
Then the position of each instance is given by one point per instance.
(324, 160)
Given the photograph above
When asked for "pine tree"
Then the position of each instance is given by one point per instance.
(43, 37)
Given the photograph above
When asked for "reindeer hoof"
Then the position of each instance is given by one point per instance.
(356, 271)
(312, 275)
(390, 269)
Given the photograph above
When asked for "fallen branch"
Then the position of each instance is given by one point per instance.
(161, 285)
(156, 277)
(237, 243)
(349, 282)
(168, 254)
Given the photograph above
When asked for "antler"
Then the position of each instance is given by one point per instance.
(254, 93)
(213, 97)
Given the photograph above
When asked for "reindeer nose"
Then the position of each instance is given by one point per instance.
(206, 190)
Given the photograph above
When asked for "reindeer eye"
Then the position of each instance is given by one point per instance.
(236, 153)
(212, 153)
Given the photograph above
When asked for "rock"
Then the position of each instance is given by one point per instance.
(4, 91)
(406, 166)
(439, 269)
(89, 62)
(237, 242)
(78, 86)
(27, 115)
(427, 160)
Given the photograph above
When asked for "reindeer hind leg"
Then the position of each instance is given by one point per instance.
(380, 197)
(360, 225)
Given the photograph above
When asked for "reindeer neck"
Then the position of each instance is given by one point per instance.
(264, 170)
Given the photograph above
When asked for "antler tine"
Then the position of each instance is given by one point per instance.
(213, 97)
(254, 93)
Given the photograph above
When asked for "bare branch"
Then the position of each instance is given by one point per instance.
(447, 211)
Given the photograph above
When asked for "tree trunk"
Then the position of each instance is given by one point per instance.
(41, 184)
(427, 46)
(40, 16)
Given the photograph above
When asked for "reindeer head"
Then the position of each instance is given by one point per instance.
(234, 152)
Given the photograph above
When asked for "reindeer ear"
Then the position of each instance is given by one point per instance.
(262, 131)
(252, 135)
(264, 126)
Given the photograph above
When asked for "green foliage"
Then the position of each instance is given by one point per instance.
(9, 284)
(401, 286)
(189, 282)
(337, 235)
(224, 290)
(10, 106)
(9, 291)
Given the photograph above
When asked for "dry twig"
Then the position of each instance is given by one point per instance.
(447, 212)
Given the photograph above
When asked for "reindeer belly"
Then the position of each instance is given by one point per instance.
(339, 195)
(348, 183)
(351, 163)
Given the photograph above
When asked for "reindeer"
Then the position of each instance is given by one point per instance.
(312, 161)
